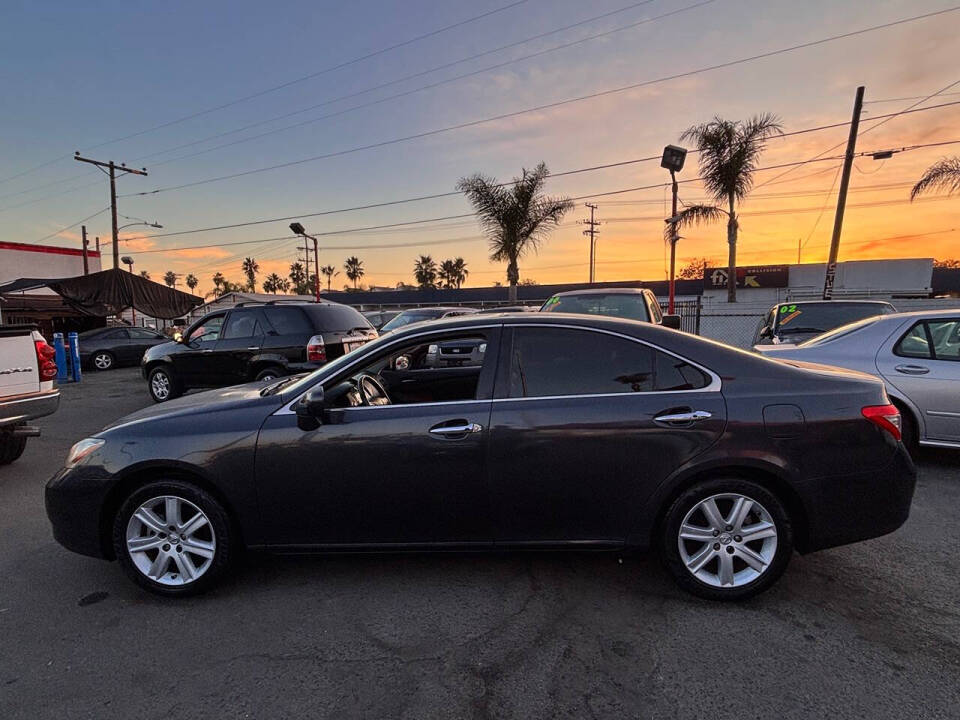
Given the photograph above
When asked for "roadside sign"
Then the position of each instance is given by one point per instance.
(758, 276)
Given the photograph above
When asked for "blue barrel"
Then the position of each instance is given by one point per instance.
(61, 357)
(74, 344)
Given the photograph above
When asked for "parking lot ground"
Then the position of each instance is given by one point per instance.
(866, 631)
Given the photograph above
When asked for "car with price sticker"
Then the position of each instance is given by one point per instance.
(791, 323)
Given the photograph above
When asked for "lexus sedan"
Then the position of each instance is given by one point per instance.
(917, 355)
(110, 347)
(566, 431)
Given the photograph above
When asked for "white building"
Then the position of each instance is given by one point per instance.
(26, 260)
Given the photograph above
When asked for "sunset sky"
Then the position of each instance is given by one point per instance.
(115, 80)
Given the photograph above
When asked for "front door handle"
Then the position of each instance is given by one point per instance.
(454, 429)
(912, 369)
(683, 418)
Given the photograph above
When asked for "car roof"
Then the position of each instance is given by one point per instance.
(834, 302)
(602, 291)
(945, 312)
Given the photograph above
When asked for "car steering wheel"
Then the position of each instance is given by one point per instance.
(372, 391)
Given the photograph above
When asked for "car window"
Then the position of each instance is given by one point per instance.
(819, 317)
(407, 317)
(331, 317)
(242, 325)
(946, 338)
(118, 334)
(288, 320)
(839, 332)
(655, 312)
(914, 343)
(208, 330)
(560, 361)
(632, 306)
(138, 334)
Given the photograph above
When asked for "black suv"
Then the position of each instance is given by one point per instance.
(253, 342)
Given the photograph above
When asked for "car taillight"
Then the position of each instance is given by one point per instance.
(45, 363)
(316, 350)
(884, 416)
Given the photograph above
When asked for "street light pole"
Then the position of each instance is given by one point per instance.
(672, 160)
(298, 229)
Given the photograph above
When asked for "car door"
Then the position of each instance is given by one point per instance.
(924, 364)
(239, 342)
(140, 340)
(190, 361)
(404, 474)
(585, 425)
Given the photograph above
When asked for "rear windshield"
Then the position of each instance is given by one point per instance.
(818, 318)
(335, 318)
(411, 316)
(632, 306)
(840, 332)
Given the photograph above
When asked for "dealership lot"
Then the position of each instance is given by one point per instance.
(869, 630)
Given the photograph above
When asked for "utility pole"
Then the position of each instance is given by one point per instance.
(674, 237)
(86, 262)
(592, 234)
(298, 229)
(112, 173)
(799, 249)
(842, 196)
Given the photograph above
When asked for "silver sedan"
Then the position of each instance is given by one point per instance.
(916, 354)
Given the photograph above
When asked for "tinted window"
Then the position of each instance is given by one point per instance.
(114, 335)
(914, 343)
(208, 330)
(288, 320)
(138, 334)
(242, 325)
(941, 336)
(336, 318)
(820, 317)
(632, 306)
(556, 361)
(412, 316)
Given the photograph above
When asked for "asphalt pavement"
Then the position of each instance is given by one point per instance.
(866, 631)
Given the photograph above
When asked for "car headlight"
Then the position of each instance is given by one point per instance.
(81, 450)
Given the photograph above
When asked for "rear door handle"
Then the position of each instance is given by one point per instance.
(912, 369)
(454, 429)
(254, 348)
(683, 418)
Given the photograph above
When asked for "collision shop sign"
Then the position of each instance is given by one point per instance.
(760, 276)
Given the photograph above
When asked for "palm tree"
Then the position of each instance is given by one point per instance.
(271, 283)
(192, 282)
(729, 153)
(452, 273)
(218, 280)
(250, 268)
(460, 272)
(298, 279)
(516, 216)
(329, 271)
(942, 175)
(145, 275)
(425, 272)
(170, 278)
(354, 268)
(445, 274)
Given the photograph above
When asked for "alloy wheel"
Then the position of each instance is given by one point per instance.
(170, 540)
(102, 361)
(160, 384)
(727, 540)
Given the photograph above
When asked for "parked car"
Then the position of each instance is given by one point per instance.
(916, 354)
(423, 314)
(509, 308)
(110, 347)
(379, 318)
(253, 342)
(574, 431)
(794, 322)
(27, 387)
(630, 303)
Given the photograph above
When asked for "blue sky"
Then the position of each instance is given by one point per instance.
(78, 74)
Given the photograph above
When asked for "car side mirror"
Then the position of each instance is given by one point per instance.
(310, 409)
(671, 321)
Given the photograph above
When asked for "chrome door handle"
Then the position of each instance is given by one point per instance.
(912, 369)
(449, 430)
(254, 348)
(683, 418)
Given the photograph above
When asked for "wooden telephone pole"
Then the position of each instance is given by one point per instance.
(112, 173)
(592, 234)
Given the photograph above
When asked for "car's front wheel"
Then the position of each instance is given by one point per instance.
(163, 384)
(726, 539)
(172, 538)
(103, 360)
(11, 447)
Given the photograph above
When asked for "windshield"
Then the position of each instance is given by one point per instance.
(632, 306)
(820, 317)
(840, 332)
(411, 316)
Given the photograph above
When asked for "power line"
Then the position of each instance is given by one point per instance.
(68, 227)
(559, 103)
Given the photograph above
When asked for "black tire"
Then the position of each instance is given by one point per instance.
(908, 428)
(669, 540)
(219, 521)
(103, 360)
(11, 447)
(271, 372)
(160, 377)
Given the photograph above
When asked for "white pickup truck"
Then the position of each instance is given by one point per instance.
(27, 389)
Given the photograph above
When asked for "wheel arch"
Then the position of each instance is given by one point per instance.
(912, 414)
(138, 476)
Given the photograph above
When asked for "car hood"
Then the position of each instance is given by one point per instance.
(211, 401)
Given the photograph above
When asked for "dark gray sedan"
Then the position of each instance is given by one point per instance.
(569, 431)
(107, 348)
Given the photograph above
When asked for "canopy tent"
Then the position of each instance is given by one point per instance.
(111, 291)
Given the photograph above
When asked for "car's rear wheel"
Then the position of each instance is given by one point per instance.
(727, 539)
(11, 447)
(103, 360)
(269, 373)
(908, 427)
(163, 384)
(172, 538)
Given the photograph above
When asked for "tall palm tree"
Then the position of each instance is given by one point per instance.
(145, 274)
(452, 273)
(460, 272)
(272, 283)
(942, 175)
(425, 272)
(729, 153)
(250, 268)
(329, 271)
(354, 268)
(516, 217)
(218, 280)
(298, 277)
(192, 282)
(170, 278)
(445, 274)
